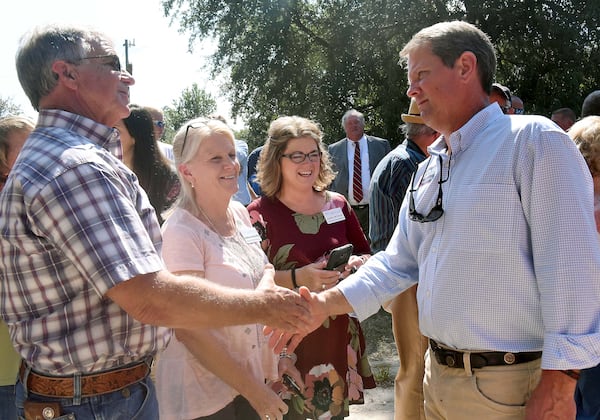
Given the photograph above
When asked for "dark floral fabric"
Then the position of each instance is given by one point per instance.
(331, 359)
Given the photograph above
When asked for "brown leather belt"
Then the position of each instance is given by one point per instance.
(454, 359)
(91, 384)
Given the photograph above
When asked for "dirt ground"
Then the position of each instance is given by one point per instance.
(379, 405)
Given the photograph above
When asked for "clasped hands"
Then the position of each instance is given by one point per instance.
(317, 313)
(289, 316)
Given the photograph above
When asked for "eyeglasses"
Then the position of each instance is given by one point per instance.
(519, 111)
(437, 211)
(299, 157)
(195, 124)
(114, 63)
(159, 124)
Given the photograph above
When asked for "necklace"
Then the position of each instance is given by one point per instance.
(212, 225)
(249, 260)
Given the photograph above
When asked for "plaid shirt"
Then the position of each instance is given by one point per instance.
(74, 223)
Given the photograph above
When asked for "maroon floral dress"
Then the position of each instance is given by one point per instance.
(331, 359)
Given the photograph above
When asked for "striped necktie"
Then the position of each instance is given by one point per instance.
(357, 190)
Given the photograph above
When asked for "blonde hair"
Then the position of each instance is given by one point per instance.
(9, 125)
(281, 131)
(586, 135)
(185, 147)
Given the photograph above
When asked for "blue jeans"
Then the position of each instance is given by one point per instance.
(587, 394)
(8, 409)
(137, 401)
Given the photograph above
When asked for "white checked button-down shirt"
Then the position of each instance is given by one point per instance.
(514, 262)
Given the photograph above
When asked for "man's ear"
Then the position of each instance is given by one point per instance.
(64, 72)
(467, 65)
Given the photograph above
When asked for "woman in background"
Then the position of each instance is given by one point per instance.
(142, 155)
(301, 222)
(209, 235)
(586, 135)
(14, 130)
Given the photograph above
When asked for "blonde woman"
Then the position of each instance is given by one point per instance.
(301, 222)
(209, 235)
(586, 135)
(14, 130)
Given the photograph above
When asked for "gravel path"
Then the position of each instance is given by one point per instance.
(379, 405)
(379, 402)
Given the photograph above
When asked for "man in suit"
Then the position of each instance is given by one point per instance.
(370, 149)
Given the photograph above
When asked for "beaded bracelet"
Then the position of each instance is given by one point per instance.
(285, 355)
(294, 278)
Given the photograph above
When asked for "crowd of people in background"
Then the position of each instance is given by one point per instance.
(119, 246)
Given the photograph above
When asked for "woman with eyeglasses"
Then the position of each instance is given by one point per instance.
(142, 155)
(209, 235)
(301, 222)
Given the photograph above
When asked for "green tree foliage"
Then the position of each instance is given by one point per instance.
(318, 58)
(548, 51)
(8, 107)
(193, 102)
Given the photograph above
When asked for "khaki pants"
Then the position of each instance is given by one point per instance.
(490, 393)
(411, 345)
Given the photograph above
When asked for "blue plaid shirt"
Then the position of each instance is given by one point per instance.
(74, 223)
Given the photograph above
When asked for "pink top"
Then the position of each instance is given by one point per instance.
(185, 388)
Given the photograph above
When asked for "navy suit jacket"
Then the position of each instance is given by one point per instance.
(338, 151)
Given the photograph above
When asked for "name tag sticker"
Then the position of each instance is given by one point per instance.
(250, 235)
(334, 215)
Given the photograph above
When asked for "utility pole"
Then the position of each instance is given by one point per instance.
(128, 65)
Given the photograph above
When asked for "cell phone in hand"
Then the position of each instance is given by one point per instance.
(339, 257)
(292, 385)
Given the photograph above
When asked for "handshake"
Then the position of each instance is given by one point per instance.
(289, 316)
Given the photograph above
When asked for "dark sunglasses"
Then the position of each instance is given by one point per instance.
(114, 63)
(519, 111)
(159, 124)
(195, 124)
(437, 211)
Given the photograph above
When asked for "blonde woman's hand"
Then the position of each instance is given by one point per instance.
(266, 402)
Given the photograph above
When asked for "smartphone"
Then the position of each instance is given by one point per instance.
(292, 385)
(339, 256)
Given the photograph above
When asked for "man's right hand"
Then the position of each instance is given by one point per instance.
(280, 338)
(282, 308)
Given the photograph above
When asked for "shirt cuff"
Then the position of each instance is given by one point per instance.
(563, 351)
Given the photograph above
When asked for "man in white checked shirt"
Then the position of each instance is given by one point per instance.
(83, 288)
(497, 228)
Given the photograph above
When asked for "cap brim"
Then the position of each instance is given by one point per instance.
(413, 119)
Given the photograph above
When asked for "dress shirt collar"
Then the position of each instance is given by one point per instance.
(462, 138)
(362, 141)
(411, 145)
(98, 134)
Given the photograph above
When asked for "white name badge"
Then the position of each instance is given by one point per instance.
(250, 235)
(334, 215)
